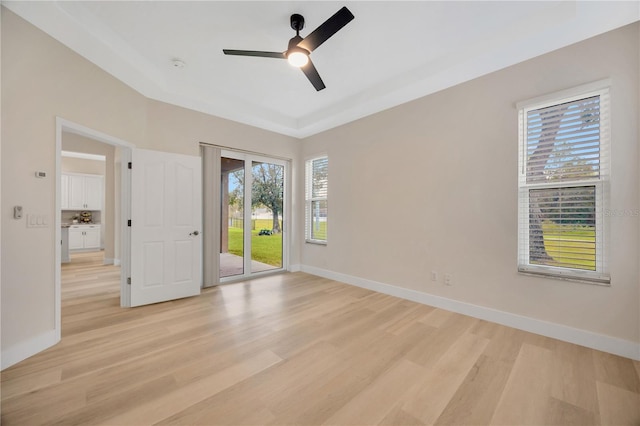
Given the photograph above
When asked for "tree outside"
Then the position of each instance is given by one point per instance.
(267, 191)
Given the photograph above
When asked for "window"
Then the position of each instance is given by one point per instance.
(563, 184)
(316, 182)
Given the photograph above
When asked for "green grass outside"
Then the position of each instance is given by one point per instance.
(265, 248)
(580, 240)
(319, 231)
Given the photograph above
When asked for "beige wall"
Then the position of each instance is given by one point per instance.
(432, 185)
(42, 79)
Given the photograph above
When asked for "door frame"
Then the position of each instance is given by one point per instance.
(286, 212)
(63, 125)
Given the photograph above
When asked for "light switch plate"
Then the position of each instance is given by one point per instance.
(37, 221)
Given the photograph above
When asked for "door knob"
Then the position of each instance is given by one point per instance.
(194, 233)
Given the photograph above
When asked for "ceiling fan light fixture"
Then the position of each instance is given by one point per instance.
(299, 49)
(298, 58)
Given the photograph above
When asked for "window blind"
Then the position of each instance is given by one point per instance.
(316, 206)
(565, 236)
(564, 147)
(563, 141)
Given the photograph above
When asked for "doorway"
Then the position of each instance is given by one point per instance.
(118, 237)
(252, 215)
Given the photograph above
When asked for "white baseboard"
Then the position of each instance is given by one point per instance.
(24, 350)
(116, 262)
(601, 342)
(107, 261)
(294, 268)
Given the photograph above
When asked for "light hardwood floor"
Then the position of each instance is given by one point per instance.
(298, 349)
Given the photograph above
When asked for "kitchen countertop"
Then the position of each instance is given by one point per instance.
(68, 225)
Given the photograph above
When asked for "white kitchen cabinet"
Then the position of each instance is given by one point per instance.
(76, 238)
(93, 192)
(84, 237)
(92, 238)
(84, 192)
(76, 192)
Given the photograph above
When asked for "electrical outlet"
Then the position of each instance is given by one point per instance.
(434, 276)
(447, 279)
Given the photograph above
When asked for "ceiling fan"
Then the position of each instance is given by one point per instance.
(299, 48)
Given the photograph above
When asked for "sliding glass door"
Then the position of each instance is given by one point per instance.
(252, 215)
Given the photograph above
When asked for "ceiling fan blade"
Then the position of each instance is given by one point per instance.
(278, 55)
(312, 74)
(327, 29)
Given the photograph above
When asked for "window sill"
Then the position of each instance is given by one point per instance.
(317, 242)
(586, 277)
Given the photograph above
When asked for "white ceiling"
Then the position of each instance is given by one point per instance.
(392, 52)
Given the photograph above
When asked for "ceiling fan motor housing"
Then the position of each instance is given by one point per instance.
(297, 22)
(293, 46)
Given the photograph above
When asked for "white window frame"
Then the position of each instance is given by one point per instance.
(602, 183)
(308, 182)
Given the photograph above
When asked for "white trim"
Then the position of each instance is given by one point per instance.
(57, 243)
(583, 91)
(601, 342)
(107, 261)
(24, 350)
(125, 231)
(83, 155)
(317, 242)
(116, 262)
(287, 214)
(79, 129)
(295, 268)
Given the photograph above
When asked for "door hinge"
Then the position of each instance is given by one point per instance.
(129, 165)
(129, 222)
(129, 280)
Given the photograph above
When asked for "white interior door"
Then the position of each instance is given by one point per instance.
(166, 217)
